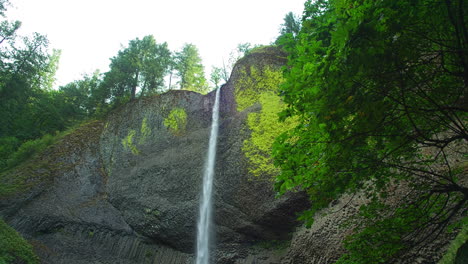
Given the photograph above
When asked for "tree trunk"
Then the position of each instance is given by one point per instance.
(135, 84)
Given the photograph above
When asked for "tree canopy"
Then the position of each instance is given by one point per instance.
(190, 69)
(141, 67)
(379, 89)
(291, 25)
(26, 71)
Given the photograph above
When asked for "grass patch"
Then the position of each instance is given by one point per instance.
(14, 248)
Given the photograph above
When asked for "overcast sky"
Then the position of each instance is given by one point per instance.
(89, 32)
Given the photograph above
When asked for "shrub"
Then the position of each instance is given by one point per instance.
(28, 149)
(14, 248)
(8, 146)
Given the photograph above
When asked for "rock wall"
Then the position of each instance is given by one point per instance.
(126, 189)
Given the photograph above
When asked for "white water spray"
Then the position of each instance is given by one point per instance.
(204, 222)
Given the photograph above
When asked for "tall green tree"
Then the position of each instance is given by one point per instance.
(82, 98)
(380, 90)
(190, 69)
(289, 30)
(140, 67)
(27, 70)
(216, 76)
(291, 24)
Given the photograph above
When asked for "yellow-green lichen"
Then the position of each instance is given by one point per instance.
(145, 131)
(128, 142)
(133, 138)
(176, 121)
(254, 81)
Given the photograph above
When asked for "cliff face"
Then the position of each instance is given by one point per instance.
(126, 189)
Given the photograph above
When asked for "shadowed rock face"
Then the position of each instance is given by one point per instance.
(126, 189)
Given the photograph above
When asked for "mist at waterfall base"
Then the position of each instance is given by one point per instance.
(205, 218)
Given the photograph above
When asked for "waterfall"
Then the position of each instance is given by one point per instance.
(204, 222)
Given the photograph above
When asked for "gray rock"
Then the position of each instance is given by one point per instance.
(126, 190)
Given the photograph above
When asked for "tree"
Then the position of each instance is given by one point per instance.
(380, 90)
(241, 50)
(81, 99)
(289, 31)
(190, 69)
(26, 70)
(139, 67)
(291, 25)
(216, 76)
(172, 68)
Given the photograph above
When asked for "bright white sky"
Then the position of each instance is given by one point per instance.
(90, 32)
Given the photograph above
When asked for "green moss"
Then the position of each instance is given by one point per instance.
(128, 142)
(460, 240)
(265, 127)
(253, 82)
(148, 254)
(176, 122)
(260, 49)
(152, 212)
(14, 248)
(135, 137)
(47, 162)
(260, 86)
(145, 131)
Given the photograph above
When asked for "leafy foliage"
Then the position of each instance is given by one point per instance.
(291, 25)
(459, 241)
(83, 98)
(8, 145)
(254, 81)
(14, 248)
(379, 89)
(29, 148)
(264, 128)
(142, 65)
(191, 70)
(259, 85)
(216, 76)
(28, 108)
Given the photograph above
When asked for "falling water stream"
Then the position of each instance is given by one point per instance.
(204, 222)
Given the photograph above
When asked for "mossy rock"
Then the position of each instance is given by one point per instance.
(43, 167)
